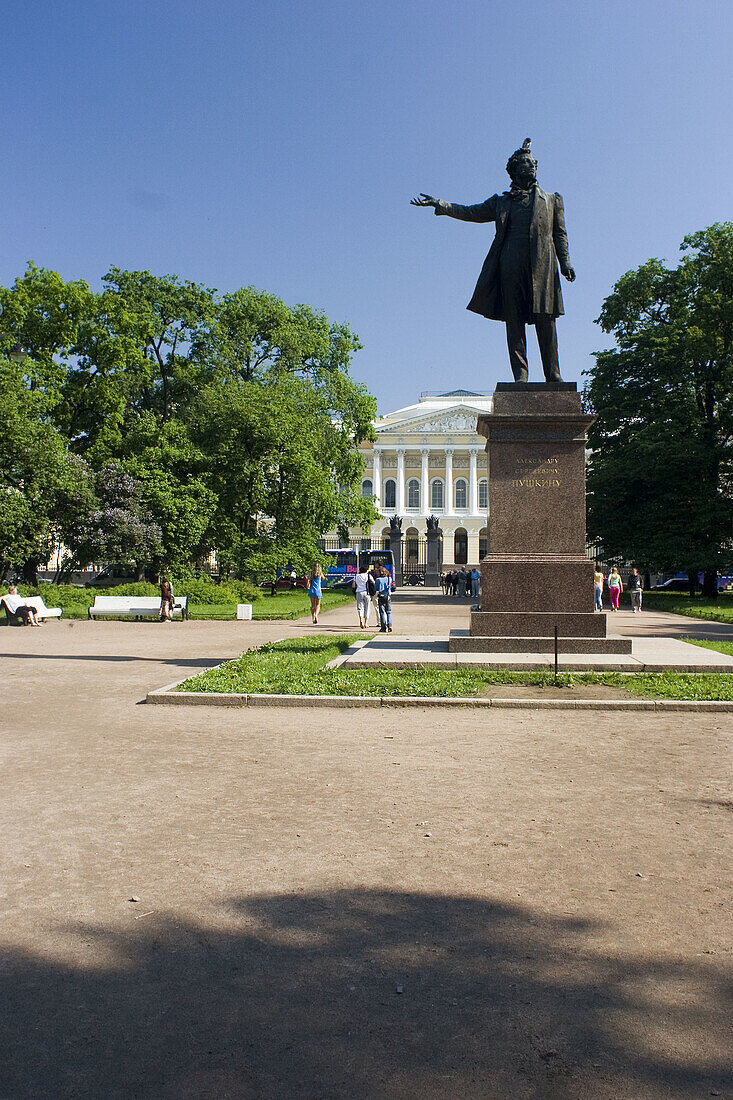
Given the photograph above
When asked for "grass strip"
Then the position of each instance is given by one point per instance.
(708, 643)
(695, 607)
(292, 605)
(296, 666)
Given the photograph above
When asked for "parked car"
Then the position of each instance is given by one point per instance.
(674, 584)
(680, 583)
(112, 575)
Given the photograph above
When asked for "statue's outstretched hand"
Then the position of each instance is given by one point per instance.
(424, 200)
(568, 272)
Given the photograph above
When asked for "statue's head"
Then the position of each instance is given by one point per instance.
(521, 166)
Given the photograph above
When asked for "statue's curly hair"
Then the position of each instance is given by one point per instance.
(520, 154)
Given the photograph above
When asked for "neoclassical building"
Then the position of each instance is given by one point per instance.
(429, 460)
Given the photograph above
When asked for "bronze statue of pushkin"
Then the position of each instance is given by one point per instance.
(519, 281)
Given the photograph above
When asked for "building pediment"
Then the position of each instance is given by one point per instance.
(460, 418)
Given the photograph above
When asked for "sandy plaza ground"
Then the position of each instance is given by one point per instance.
(288, 902)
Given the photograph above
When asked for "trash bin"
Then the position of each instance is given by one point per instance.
(244, 610)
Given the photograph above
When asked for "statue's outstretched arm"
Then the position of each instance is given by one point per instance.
(481, 212)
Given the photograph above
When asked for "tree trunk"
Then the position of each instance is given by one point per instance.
(692, 580)
(710, 584)
(29, 571)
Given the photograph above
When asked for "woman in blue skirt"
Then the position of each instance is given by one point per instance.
(315, 590)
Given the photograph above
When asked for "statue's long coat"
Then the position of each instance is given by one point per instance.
(548, 243)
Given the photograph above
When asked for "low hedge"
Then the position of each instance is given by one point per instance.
(76, 601)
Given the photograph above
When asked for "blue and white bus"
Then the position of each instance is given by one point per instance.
(341, 565)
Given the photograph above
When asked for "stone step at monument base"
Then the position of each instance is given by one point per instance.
(538, 624)
(462, 641)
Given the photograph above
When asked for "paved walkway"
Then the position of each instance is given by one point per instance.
(423, 619)
(379, 904)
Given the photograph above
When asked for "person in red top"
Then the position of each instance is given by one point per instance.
(166, 600)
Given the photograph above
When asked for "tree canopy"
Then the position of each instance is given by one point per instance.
(660, 489)
(230, 421)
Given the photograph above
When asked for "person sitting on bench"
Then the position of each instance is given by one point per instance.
(16, 606)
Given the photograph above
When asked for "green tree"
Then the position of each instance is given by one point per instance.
(120, 528)
(660, 492)
(235, 414)
(278, 423)
(43, 488)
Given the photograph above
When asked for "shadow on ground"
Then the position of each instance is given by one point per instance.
(184, 662)
(358, 994)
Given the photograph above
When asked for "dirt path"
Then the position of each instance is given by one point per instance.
(349, 903)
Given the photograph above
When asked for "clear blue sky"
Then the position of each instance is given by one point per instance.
(277, 144)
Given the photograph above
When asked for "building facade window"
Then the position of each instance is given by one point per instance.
(436, 495)
(367, 489)
(390, 493)
(413, 493)
(460, 546)
(483, 494)
(461, 494)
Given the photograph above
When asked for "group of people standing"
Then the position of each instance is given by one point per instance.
(370, 588)
(374, 588)
(461, 582)
(615, 588)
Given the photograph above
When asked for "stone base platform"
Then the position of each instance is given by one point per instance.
(463, 641)
(538, 624)
(648, 654)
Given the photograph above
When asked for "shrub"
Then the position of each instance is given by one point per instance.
(135, 588)
(204, 590)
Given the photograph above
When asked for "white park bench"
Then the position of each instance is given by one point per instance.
(135, 607)
(42, 612)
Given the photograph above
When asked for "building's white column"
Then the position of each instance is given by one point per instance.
(448, 499)
(473, 558)
(472, 483)
(425, 483)
(400, 481)
(377, 477)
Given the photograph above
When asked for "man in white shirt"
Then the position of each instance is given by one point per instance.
(18, 606)
(361, 586)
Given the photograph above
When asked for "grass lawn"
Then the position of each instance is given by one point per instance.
(285, 605)
(297, 667)
(291, 605)
(679, 603)
(706, 643)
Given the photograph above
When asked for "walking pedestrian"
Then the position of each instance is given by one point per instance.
(615, 588)
(166, 600)
(598, 579)
(315, 590)
(374, 595)
(634, 586)
(384, 599)
(360, 586)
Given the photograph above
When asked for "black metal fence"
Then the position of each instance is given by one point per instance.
(359, 544)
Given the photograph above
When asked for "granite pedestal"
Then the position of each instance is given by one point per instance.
(536, 576)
